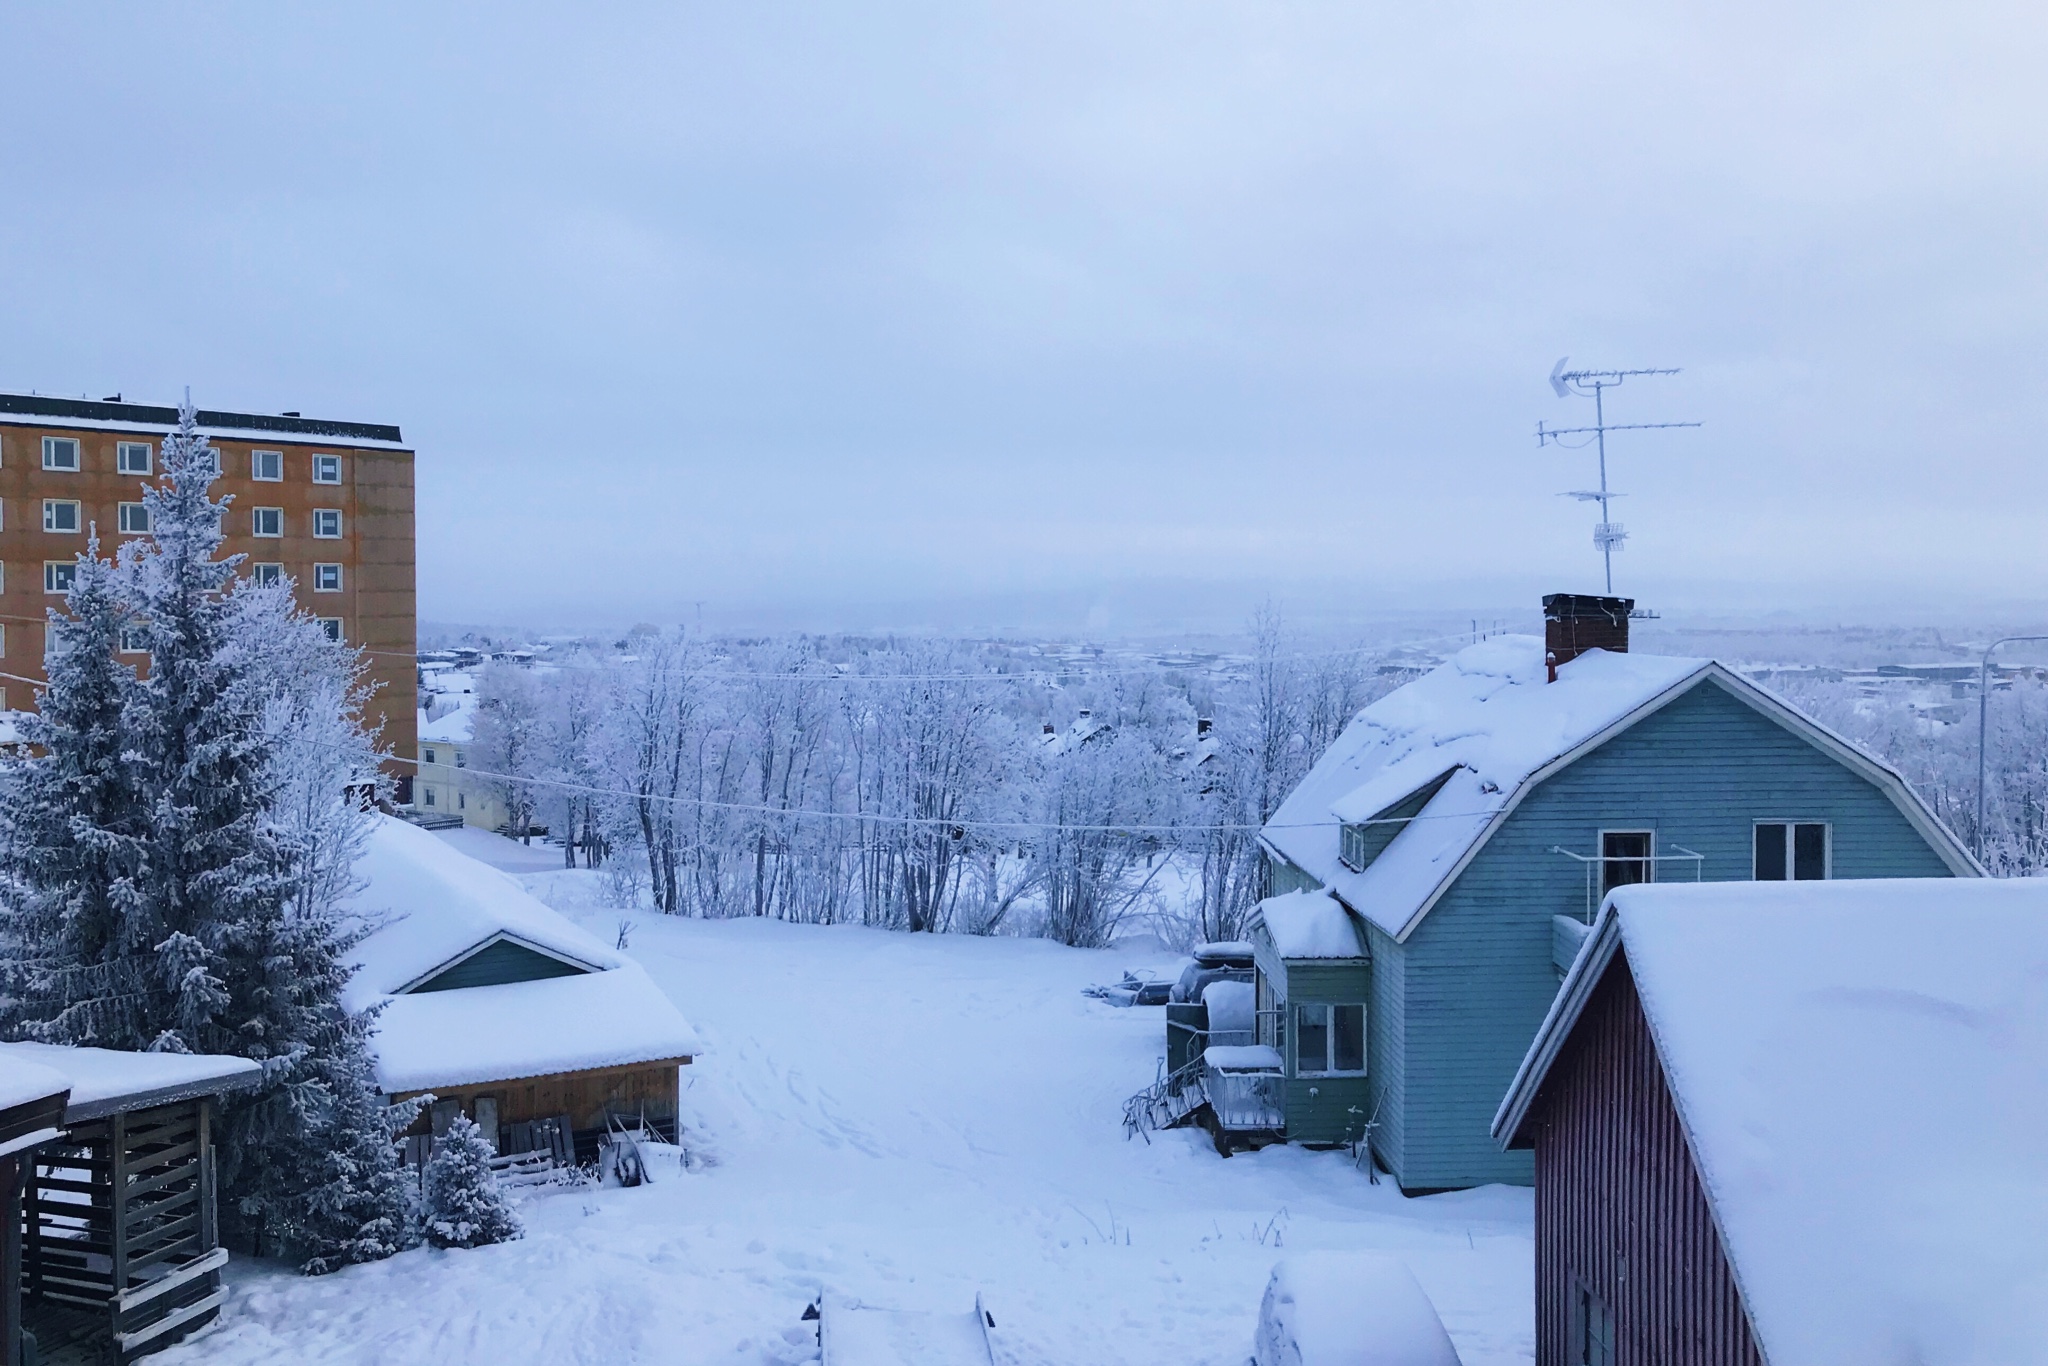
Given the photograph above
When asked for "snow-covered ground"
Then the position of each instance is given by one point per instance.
(905, 1120)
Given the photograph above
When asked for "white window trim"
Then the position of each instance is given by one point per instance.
(1329, 1009)
(77, 516)
(1650, 858)
(127, 649)
(277, 478)
(121, 518)
(340, 635)
(121, 449)
(256, 521)
(316, 469)
(49, 576)
(318, 587)
(1791, 824)
(319, 514)
(256, 569)
(50, 445)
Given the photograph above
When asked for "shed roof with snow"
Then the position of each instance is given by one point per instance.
(478, 981)
(1308, 924)
(1860, 1070)
(1429, 772)
(102, 1081)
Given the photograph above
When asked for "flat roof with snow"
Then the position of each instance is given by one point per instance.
(106, 1080)
(1861, 1070)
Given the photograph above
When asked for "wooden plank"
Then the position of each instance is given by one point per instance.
(119, 1211)
(163, 1285)
(177, 1152)
(155, 1237)
(209, 1236)
(129, 1342)
(187, 1246)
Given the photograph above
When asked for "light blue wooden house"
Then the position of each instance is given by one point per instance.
(1473, 821)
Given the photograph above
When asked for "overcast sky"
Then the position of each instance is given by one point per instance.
(835, 311)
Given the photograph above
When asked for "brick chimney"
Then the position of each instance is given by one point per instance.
(1574, 623)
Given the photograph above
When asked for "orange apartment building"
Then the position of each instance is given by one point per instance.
(327, 504)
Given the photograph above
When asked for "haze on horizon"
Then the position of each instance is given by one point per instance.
(809, 312)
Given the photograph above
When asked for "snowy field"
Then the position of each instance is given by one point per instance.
(905, 1120)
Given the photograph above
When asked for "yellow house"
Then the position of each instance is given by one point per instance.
(444, 786)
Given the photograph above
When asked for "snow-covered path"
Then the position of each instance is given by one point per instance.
(907, 1120)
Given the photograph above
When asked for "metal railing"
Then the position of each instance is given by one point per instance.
(1246, 1100)
(1593, 863)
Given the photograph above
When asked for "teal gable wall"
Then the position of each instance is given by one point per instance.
(502, 962)
(1456, 1007)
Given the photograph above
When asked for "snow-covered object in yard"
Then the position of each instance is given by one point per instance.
(855, 1335)
(1232, 1006)
(1348, 1309)
(434, 908)
(1488, 726)
(1309, 925)
(104, 1080)
(460, 1202)
(1861, 1069)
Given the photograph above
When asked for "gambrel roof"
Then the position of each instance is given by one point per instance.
(1489, 719)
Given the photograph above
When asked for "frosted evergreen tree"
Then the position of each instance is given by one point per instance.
(74, 960)
(461, 1204)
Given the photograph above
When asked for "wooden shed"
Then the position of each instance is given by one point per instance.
(503, 1009)
(111, 1247)
(1796, 1124)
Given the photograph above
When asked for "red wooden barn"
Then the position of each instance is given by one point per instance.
(1794, 1124)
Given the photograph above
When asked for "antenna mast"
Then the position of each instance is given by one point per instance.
(1608, 534)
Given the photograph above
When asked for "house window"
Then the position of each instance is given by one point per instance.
(266, 575)
(430, 796)
(1351, 847)
(1800, 851)
(1625, 858)
(267, 521)
(332, 627)
(1592, 1329)
(428, 756)
(132, 457)
(60, 453)
(266, 465)
(327, 469)
(134, 517)
(462, 801)
(58, 575)
(327, 524)
(1328, 1039)
(134, 640)
(60, 514)
(461, 759)
(326, 578)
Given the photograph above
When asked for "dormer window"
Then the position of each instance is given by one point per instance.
(1360, 842)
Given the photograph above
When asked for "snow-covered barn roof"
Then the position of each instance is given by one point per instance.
(1489, 727)
(435, 907)
(1861, 1069)
(1309, 925)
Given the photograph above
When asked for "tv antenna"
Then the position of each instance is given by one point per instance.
(1608, 534)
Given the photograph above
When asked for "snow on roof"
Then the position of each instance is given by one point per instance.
(1489, 714)
(452, 726)
(1862, 1071)
(104, 1080)
(23, 1081)
(432, 905)
(1309, 925)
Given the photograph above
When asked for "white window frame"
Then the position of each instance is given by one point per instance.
(52, 568)
(133, 633)
(326, 463)
(1649, 859)
(320, 584)
(125, 450)
(131, 513)
(267, 572)
(333, 627)
(1329, 1009)
(50, 506)
(256, 467)
(53, 444)
(320, 519)
(1792, 824)
(256, 523)
(429, 794)
(427, 755)
(3, 645)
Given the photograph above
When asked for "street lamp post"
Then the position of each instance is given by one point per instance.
(1983, 715)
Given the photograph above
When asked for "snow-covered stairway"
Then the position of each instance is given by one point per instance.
(1167, 1103)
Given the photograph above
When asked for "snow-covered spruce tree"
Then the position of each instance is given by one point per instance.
(244, 963)
(73, 961)
(461, 1204)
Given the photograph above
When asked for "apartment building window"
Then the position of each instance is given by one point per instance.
(267, 574)
(427, 755)
(326, 578)
(266, 465)
(461, 759)
(3, 646)
(327, 523)
(60, 514)
(327, 469)
(267, 521)
(132, 457)
(60, 453)
(1797, 851)
(58, 575)
(430, 796)
(332, 626)
(134, 640)
(134, 517)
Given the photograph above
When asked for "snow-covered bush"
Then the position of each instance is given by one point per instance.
(461, 1204)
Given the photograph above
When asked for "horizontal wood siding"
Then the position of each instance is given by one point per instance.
(499, 964)
(1478, 974)
(583, 1096)
(1283, 877)
(1386, 1053)
(1619, 1205)
(1266, 958)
